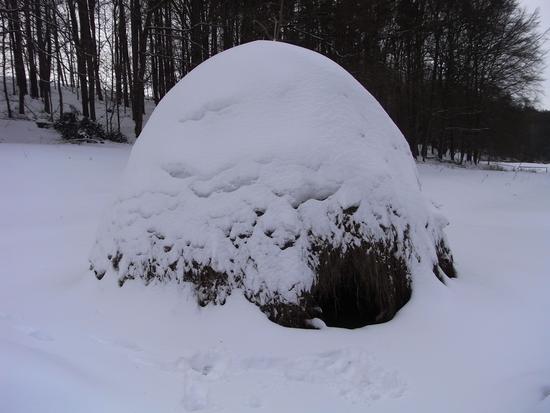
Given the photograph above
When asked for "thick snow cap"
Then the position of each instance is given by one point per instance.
(270, 169)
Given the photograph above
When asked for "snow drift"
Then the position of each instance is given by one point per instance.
(270, 169)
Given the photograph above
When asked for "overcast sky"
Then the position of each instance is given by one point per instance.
(544, 11)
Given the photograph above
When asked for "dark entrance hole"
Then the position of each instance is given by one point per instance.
(360, 286)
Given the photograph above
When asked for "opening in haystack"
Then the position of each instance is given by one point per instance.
(360, 286)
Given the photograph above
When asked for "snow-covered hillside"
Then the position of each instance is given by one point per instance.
(69, 343)
(23, 128)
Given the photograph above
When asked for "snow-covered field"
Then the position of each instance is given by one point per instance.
(524, 166)
(69, 343)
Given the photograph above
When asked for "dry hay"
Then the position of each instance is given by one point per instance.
(361, 283)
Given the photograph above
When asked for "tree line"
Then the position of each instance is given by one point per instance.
(457, 77)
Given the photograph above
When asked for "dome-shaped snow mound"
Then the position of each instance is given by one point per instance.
(271, 170)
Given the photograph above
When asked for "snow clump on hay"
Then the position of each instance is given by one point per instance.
(271, 170)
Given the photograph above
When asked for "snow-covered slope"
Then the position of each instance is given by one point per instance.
(261, 160)
(71, 344)
(23, 128)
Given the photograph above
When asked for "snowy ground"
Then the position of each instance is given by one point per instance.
(524, 166)
(69, 343)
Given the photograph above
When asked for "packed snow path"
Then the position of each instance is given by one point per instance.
(69, 343)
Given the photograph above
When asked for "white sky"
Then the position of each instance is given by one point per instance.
(544, 12)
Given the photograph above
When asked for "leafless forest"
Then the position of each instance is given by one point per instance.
(459, 78)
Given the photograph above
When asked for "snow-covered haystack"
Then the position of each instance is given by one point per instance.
(270, 169)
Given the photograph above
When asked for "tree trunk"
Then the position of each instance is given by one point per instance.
(58, 60)
(30, 50)
(80, 60)
(139, 47)
(196, 32)
(17, 47)
(87, 44)
(6, 94)
(94, 48)
(124, 55)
